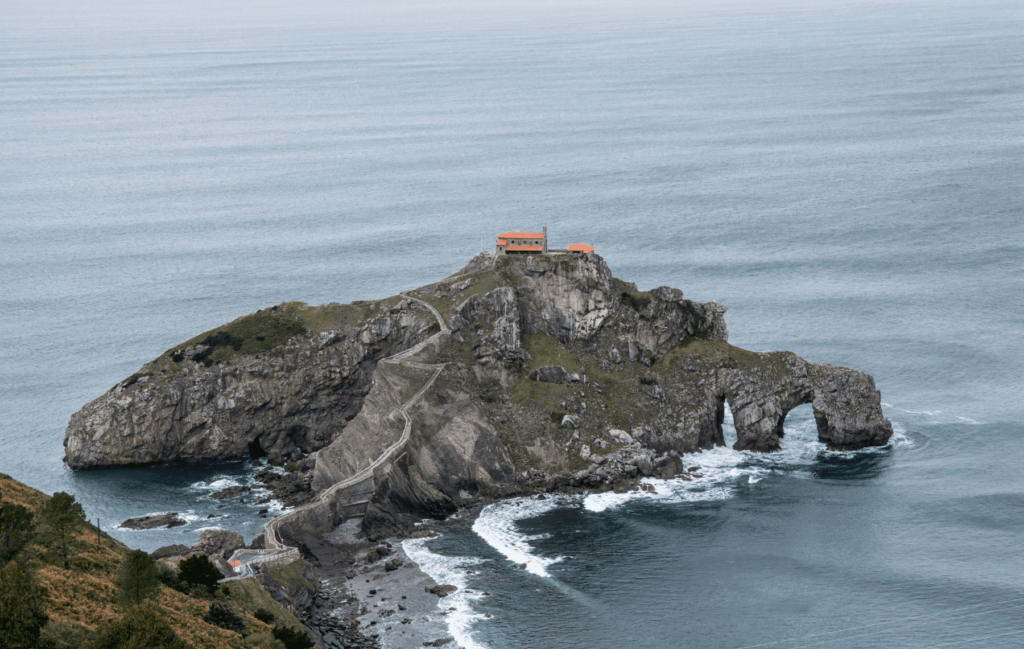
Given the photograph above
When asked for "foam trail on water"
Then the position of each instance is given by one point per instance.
(496, 525)
(724, 471)
(218, 483)
(450, 570)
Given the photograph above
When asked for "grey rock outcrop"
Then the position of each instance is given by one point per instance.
(153, 522)
(175, 550)
(218, 543)
(301, 395)
(549, 374)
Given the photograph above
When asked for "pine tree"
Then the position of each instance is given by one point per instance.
(17, 529)
(21, 609)
(138, 578)
(61, 517)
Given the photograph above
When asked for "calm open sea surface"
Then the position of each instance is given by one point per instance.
(845, 176)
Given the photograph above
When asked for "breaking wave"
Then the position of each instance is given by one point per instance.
(450, 570)
(496, 525)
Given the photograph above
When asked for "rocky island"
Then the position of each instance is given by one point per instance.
(516, 375)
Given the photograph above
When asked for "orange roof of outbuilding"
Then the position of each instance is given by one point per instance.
(524, 249)
(501, 242)
(521, 235)
(581, 247)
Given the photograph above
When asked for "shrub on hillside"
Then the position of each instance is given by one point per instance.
(292, 638)
(61, 635)
(263, 641)
(198, 570)
(17, 529)
(141, 628)
(264, 615)
(169, 577)
(222, 615)
(22, 615)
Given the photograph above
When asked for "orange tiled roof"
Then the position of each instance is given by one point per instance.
(524, 249)
(501, 242)
(580, 247)
(521, 235)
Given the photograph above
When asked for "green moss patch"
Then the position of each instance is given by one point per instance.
(251, 334)
(290, 575)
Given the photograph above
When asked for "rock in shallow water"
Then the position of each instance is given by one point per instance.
(153, 522)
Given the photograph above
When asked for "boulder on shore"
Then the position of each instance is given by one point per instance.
(443, 590)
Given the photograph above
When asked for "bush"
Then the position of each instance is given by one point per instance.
(141, 628)
(292, 638)
(169, 577)
(636, 302)
(264, 641)
(222, 615)
(21, 609)
(198, 570)
(264, 615)
(646, 381)
(61, 635)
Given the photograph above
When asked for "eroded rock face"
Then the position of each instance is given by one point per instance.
(566, 297)
(299, 396)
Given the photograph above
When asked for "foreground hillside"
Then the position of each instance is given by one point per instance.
(82, 600)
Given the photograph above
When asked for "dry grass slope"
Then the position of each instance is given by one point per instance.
(85, 595)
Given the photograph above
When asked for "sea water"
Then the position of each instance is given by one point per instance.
(845, 176)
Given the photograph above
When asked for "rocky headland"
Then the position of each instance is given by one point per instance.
(516, 375)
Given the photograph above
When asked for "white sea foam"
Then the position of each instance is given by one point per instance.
(450, 570)
(218, 483)
(935, 416)
(496, 525)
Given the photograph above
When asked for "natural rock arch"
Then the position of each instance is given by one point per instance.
(845, 402)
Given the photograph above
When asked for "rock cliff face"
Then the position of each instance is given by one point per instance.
(298, 393)
(554, 375)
